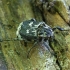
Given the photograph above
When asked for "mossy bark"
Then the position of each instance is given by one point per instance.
(13, 12)
(58, 18)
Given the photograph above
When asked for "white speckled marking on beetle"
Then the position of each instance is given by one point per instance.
(30, 24)
(18, 29)
(38, 24)
(34, 32)
(27, 31)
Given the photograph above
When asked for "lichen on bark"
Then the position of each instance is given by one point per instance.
(58, 18)
(13, 12)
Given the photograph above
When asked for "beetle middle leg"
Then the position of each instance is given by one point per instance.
(31, 48)
(46, 44)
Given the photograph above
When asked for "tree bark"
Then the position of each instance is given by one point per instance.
(12, 13)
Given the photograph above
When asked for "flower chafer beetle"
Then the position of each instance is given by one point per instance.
(32, 30)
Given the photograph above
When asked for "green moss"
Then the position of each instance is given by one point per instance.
(59, 5)
(60, 47)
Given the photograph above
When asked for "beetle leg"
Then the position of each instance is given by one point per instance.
(31, 48)
(59, 28)
(48, 47)
(25, 43)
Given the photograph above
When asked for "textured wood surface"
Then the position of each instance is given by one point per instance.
(13, 12)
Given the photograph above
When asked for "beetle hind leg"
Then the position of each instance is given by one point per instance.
(31, 49)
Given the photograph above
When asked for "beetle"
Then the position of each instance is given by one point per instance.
(32, 30)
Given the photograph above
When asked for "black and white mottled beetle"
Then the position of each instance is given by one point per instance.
(32, 30)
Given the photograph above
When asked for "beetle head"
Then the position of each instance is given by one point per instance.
(44, 31)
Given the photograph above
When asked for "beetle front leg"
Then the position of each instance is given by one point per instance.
(59, 28)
